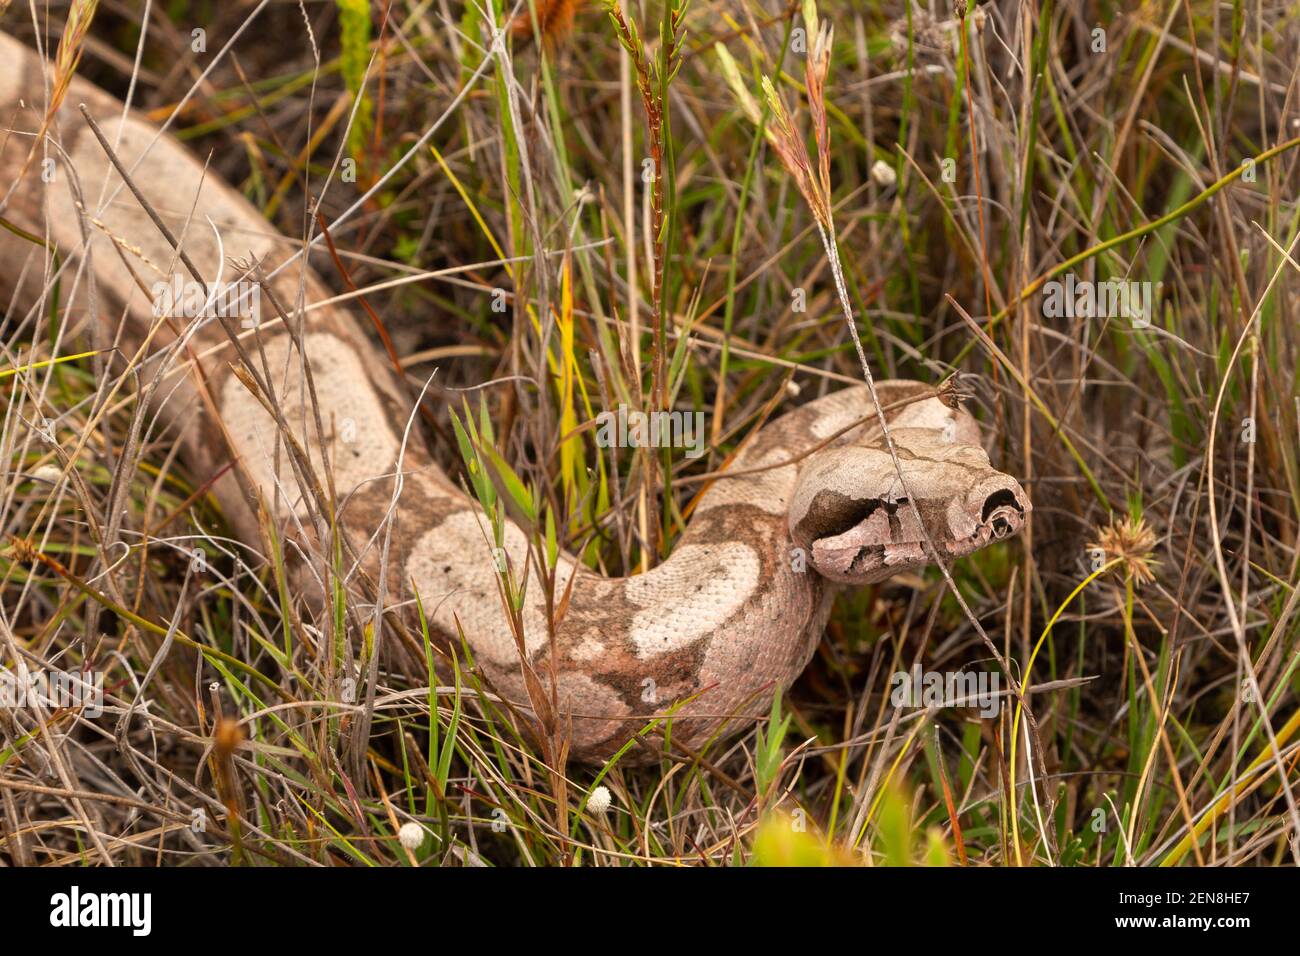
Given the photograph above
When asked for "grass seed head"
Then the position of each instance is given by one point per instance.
(1130, 540)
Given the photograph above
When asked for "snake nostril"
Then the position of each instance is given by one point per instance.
(1004, 498)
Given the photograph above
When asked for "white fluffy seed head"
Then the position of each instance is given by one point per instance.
(883, 173)
(599, 800)
(50, 474)
(411, 835)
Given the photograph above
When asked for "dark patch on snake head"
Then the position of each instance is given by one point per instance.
(831, 514)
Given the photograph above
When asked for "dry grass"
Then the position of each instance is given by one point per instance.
(1147, 615)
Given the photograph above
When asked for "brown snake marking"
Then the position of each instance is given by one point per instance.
(729, 616)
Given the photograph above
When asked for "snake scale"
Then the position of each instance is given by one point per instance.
(736, 610)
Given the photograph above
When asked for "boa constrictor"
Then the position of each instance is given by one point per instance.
(735, 612)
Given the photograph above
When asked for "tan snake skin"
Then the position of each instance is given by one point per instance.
(733, 614)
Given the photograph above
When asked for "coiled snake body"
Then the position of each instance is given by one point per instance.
(733, 613)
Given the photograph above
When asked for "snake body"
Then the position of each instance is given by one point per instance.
(734, 613)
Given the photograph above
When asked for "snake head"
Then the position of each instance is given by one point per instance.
(852, 518)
